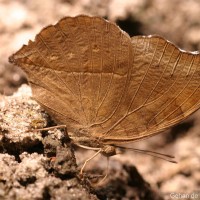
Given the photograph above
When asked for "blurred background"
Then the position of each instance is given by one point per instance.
(177, 21)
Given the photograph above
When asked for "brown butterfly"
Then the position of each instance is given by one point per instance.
(106, 87)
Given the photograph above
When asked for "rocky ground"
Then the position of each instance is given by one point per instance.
(45, 165)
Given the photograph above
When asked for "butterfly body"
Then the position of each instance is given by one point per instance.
(83, 139)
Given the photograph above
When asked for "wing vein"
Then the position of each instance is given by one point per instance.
(77, 81)
(54, 71)
(120, 120)
(46, 87)
(140, 85)
(160, 76)
(174, 99)
(80, 74)
(123, 91)
(100, 82)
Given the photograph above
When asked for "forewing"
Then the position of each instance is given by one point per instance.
(77, 69)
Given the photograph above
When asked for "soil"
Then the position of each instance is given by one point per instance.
(45, 164)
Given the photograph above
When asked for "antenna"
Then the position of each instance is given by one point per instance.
(161, 156)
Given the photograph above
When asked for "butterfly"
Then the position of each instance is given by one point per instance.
(109, 88)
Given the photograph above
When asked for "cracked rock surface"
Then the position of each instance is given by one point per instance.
(36, 166)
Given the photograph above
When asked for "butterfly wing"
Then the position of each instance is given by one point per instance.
(89, 74)
(75, 69)
(163, 89)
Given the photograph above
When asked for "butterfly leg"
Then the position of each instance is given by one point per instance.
(50, 128)
(103, 179)
(81, 172)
